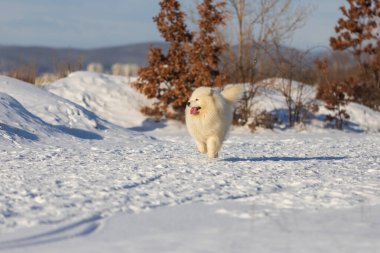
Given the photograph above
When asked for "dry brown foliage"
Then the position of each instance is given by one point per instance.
(25, 72)
(263, 119)
(357, 32)
(336, 94)
(191, 61)
(64, 68)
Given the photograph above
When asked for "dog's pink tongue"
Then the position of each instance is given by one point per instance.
(193, 110)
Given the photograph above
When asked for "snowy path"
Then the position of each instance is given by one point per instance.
(79, 179)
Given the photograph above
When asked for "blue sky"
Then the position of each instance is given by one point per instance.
(98, 23)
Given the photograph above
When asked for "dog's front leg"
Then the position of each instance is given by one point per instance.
(202, 147)
(213, 146)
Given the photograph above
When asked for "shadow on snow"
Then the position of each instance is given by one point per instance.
(80, 133)
(283, 158)
(81, 228)
(14, 131)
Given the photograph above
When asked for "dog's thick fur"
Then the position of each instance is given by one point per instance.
(209, 114)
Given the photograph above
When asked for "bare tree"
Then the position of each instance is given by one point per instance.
(258, 25)
(294, 67)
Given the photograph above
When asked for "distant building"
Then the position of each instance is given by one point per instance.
(128, 70)
(95, 67)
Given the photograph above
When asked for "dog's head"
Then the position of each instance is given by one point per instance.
(200, 99)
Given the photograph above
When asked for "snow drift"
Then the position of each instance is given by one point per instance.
(44, 113)
(110, 97)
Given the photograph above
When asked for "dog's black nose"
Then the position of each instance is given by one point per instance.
(188, 103)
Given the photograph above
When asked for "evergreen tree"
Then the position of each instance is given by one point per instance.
(205, 52)
(191, 61)
(165, 77)
(358, 32)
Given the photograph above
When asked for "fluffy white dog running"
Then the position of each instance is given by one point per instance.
(209, 114)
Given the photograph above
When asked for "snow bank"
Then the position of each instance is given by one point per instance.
(271, 99)
(48, 107)
(363, 118)
(31, 106)
(110, 97)
(16, 122)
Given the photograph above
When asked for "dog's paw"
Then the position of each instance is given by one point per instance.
(212, 155)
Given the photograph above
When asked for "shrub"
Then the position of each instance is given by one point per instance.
(263, 119)
(25, 72)
(335, 94)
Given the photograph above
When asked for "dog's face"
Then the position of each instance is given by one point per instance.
(199, 100)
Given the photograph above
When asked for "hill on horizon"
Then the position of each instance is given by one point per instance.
(47, 59)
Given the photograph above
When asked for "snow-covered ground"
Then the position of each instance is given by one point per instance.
(82, 170)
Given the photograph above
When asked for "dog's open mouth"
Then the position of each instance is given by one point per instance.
(194, 110)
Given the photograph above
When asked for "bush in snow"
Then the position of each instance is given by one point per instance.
(335, 94)
(25, 72)
(263, 119)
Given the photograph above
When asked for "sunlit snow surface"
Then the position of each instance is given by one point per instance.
(73, 181)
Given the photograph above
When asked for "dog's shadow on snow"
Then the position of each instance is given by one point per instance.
(283, 159)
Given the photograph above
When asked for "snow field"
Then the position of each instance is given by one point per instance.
(82, 170)
(46, 184)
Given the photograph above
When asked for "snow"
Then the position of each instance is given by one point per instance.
(110, 97)
(83, 170)
(271, 99)
(200, 228)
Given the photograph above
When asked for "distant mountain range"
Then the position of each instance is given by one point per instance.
(46, 59)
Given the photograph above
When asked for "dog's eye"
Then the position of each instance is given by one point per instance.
(196, 99)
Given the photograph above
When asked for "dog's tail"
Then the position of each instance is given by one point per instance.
(232, 93)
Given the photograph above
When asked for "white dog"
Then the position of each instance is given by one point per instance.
(209, 114)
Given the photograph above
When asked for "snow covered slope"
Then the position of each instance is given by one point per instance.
(271, 99)
(20, 123)
(29, 104)
(110, 97)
